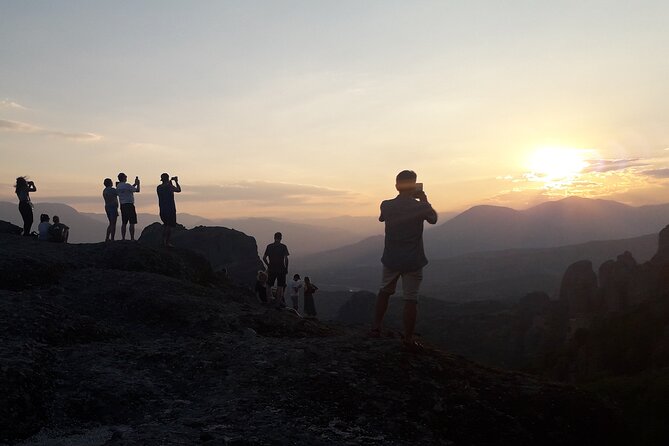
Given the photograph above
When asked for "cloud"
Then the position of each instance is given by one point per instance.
(657, 173)
(7, 104)
(607, 165)
(266, 192)
(257, 193)
(24, 127)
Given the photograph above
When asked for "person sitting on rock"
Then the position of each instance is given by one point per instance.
(261, 286)
(309, 305)
(295, 286)
(43, 227)
(58, 232)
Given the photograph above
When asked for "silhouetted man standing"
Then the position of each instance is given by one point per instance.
(276, 259)
(168, 209)
(403, 254)
(126, 196)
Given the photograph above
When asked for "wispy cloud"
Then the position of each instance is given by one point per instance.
(657, 173)
(266, 192)
(611, 165)
(7, 104)
(24, 127)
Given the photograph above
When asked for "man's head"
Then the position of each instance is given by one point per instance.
(405, 181)
(108, 182)
(122, 177)
(278, 236)
(56, 219)
(164, 178)
(44, 218)
(296, 277)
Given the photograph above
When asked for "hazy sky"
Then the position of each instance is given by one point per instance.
(300, 108)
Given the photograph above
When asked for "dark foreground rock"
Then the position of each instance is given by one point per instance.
(225, 249)
(109, 356)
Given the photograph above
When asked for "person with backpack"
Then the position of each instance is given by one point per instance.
(58, 232)
(309, 305)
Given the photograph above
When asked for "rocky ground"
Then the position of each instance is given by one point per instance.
(122, 344)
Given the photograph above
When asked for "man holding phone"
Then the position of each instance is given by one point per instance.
(168, 208)
(126, 196)
(403, 253)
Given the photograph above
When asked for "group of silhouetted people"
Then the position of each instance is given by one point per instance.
(124, 194)
(276, 260)
(403, 254)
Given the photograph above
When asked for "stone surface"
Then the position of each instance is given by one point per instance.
(225, 249)
(104, 355)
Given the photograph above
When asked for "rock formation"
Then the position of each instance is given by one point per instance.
(579, 288)
(226, 249)
(105, 353)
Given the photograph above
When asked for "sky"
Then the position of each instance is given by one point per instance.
(298, 109)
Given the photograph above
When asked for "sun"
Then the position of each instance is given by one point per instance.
(556, 166)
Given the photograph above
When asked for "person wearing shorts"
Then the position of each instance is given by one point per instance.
(403, 253)
(168, 208)
(111, 208)
(276, 259)
(126, 196)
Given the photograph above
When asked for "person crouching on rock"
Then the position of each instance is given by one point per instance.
(168, 208)
(261, 286)
(309, 305)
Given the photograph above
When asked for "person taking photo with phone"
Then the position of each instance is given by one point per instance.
(403, 253)
(168, 208)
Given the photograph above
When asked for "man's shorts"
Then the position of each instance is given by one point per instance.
(279, 276)
(112, 212)
(410, 282)
(128, 214)
(169, 219)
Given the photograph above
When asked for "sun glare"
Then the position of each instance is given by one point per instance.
(556, 166)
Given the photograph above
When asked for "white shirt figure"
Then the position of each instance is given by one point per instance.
(126, 193)
(295, 286)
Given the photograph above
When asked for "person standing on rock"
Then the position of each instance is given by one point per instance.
(295, 286)
(309, 306)
(276, 259)
(168, 208)
(23, 188)
(126, 196)
(403, 253)
(111, 208)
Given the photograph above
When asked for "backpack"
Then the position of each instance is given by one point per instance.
(56, 233)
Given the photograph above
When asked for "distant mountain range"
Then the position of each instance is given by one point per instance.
(565, 222)
(497, 252)
(301, 238)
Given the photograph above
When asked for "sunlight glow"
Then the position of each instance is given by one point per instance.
(556, 167)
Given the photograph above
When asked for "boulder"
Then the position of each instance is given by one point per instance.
(9, 228)
(226, 249)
